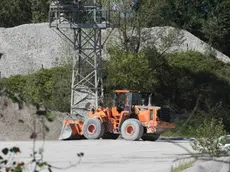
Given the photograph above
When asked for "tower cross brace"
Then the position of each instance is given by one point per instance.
(86, 19)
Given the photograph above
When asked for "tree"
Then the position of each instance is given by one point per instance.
(207, 19)
(133, 18)
(128, 71)
(15, 12)
(40, 9)
(189, 82)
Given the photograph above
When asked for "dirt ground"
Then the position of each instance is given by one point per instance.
(18, 124)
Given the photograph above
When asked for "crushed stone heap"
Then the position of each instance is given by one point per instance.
(27, 48)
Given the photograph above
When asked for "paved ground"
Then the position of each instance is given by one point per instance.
(211, 165)
(108, 155)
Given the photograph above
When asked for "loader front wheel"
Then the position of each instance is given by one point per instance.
(93, 128)
(132, 129)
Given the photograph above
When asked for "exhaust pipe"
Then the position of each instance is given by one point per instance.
(150, 100)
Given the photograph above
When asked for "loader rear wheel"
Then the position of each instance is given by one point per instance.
(150, 137)
(93, 128)
(110, 136)
(132, 129)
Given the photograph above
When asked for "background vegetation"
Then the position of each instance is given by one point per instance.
(48, 87)
(195, 86)
(210, 138)
(190, 83)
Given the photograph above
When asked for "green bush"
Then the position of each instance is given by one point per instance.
(189, 82)
(207, 140)
(49, 87)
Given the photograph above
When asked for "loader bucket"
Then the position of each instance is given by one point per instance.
(66, 132)
(71, 130)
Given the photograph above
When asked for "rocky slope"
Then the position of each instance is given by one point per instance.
(18, 124)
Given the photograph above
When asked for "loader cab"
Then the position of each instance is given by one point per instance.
(125, 99)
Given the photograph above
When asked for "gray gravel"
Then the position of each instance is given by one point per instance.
(28, 47)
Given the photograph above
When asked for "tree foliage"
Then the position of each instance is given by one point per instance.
(207, 19)
(14, 12)
(189, 82)
(17, 12)
(40, 10)
(132, 71)
(47, 87)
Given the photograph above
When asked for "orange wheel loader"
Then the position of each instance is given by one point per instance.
(128, 117)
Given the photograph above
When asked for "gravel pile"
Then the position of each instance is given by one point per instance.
(27, 48)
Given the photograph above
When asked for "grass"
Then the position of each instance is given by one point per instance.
(174, 134)
(183, 166)
(177, 133)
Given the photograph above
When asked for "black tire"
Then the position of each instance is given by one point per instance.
(93, 128)
(150, 137)
(110, 136)
(132, 129)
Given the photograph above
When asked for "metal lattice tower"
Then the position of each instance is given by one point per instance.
(86, 19)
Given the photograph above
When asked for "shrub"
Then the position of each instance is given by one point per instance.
(208, 137)
(49, 87)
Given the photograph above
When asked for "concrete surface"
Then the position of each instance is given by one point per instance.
(211, 165)
(107, 155)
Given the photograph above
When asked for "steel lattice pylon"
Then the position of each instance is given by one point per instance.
(86, 19)
(86, 72)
